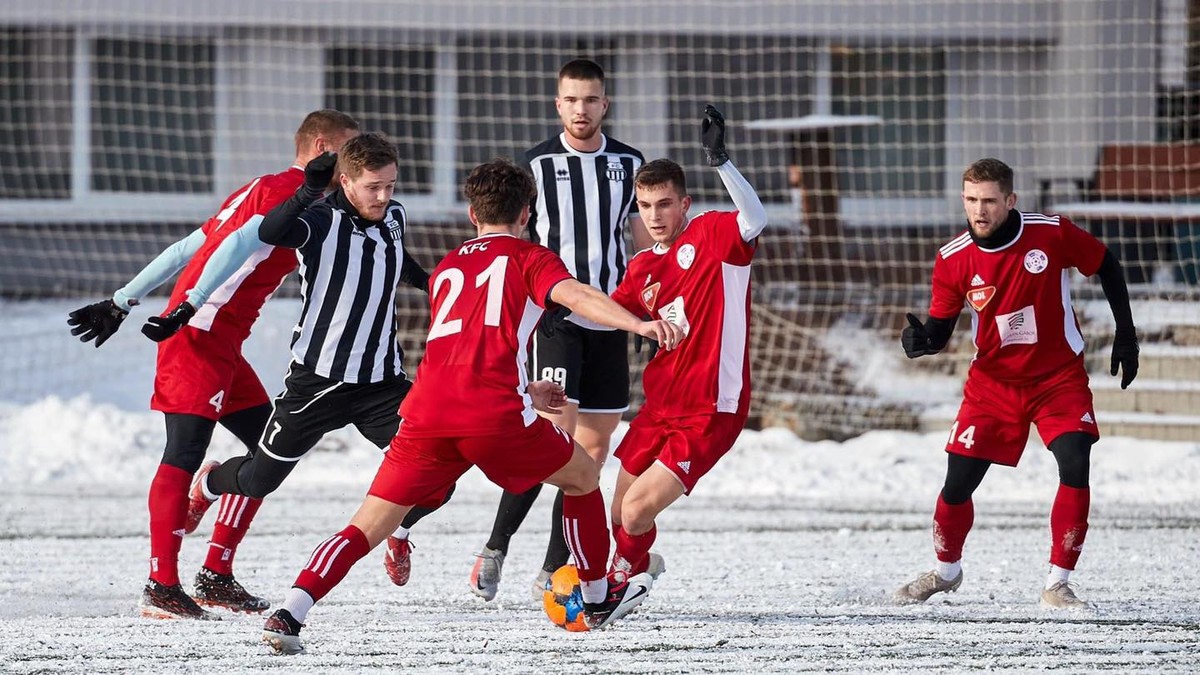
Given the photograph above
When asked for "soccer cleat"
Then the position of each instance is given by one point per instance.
(222, 590)
(540, 583)
(197, 503)
(485, 575)
(396, 560)
(170, 602)
(282, 633)
(920, 589)
(1062, 596)
(622, 570)
(622, 599)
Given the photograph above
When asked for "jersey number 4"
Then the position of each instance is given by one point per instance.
(492, 277)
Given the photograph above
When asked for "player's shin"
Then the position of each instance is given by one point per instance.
(585, 529)
(1068, 525)
(168, 503)
(633, 552)
(234, 515)
(951, 523)
(328, 565)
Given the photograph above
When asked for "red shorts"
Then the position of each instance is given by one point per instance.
(993, 421)
(419, 471)
(688, 447)
(202, 374)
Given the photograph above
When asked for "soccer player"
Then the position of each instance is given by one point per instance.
(585, 194)
(1011, 270)
(202, 379)
(697, 276)
(347, 365)
(473, 405)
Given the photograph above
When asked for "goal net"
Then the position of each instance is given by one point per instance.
(123, 124)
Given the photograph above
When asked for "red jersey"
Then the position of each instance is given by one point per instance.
(701, 283)
(486, 298)
(1022, 322)
(234, 306)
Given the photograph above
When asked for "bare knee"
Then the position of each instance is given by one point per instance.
(582, 477)
(637, 515)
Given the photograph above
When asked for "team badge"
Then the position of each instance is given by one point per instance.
(980, 297)
(686, 256)
(650, 296)
(1036, 261)
(616, 171)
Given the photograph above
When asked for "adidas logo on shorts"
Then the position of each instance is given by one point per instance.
(685, 466)
(1087, 417)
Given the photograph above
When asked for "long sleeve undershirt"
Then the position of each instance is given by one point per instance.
(752, 217)
(166, 265)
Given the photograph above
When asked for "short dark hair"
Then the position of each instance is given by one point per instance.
(323, 122)
(661, 172)
(366, 152)
(581, 69)
(498, 190)
(990, 170)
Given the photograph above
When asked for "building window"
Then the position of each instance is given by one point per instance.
(748, 78)
(390, 91)
(152, 116)
(35, 118)
(905, 156)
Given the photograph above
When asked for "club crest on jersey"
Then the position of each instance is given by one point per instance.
(650, 296)
(1036, 261)
(685, 256)
(616, 171)
(980, 297)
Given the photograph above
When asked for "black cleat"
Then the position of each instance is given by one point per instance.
(282, 633)
(170, 602)
(222, 590)
(622, 599)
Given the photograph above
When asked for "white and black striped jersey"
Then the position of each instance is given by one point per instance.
(582, 206)
(349, 268)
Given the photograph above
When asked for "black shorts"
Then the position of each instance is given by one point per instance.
(312, 406)
(592, 365)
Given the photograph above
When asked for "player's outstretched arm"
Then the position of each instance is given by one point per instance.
(1125, 343)
(752, 217)
(590, 303)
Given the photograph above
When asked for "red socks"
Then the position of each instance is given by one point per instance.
(234, 514)
(331, 561)
(585, 529)
(634, 549)
(1068, 525)
(951, 523)
(168, 504)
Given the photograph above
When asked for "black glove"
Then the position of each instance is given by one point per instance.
(712, 136)
(1125, 354)
(159, 328)
(553, 320)
(97, 321)
(318, 174)
(915, 338)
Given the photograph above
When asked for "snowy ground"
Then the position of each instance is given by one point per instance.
(783, 560)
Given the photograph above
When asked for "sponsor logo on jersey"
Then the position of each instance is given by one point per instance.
(650, 296)
(685, 466)
(616, 170)
(1017, 328)
(976, 281)
(980, 297)
(1087, 417)
(686, 256)
(1036, 261)
(674, 312)
(562, 174)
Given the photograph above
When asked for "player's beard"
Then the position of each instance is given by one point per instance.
(589, 132)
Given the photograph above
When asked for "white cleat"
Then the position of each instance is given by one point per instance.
(1062, 596)
(923, 587)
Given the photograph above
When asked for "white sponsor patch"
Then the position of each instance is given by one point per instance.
(674, 312)
(1017, 328)
(1036, 261)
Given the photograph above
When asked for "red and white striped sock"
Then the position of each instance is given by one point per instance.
(234, 514)
(585, 529)
(331, 561)
(168, 504)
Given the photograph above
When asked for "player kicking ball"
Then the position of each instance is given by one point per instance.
(472, 405)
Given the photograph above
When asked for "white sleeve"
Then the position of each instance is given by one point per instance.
(166, 265)
(752, 217)
(225, 261)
